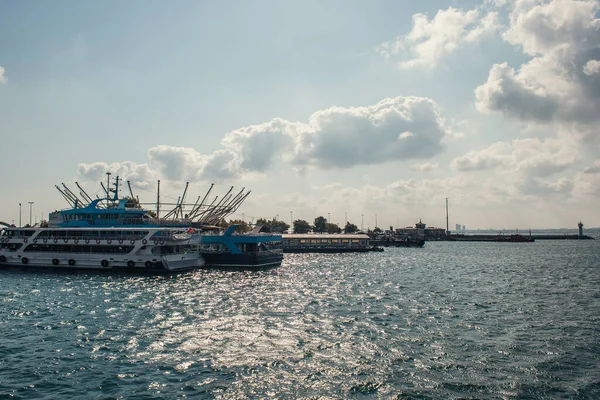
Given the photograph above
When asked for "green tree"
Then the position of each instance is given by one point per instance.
(301, 226)
(272, 226)
(377, 230)
(320, 224)
(350, 228)
(332, 228)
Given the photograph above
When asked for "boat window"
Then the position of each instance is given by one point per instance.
(11, 246)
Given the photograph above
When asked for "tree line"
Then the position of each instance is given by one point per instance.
(319, 225)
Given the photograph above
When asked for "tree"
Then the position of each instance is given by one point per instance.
(278, 226)
(350, 228)
(377, 230)
(272, 226)
(320, 224)
(301, 226)
(332, 228)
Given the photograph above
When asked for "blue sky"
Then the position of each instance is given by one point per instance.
(382, 107)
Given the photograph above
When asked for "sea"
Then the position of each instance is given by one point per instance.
(453, 320)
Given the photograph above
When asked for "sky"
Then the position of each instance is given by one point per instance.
(368, 112)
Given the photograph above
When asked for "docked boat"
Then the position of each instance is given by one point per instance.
(231, 250)
(123, 249)
(326, 243)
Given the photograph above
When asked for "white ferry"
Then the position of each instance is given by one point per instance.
(149, 249)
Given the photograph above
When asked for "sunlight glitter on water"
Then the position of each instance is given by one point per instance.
(444, 321)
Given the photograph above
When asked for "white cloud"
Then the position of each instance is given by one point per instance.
(553, 25)
(558, 83)
(3, 78)
(394, 129)
(128, 170)
(497, 3)
(430, 40)
(424, 167)
(532, 157)
(177, 164)
(482, 160)
(592, 67)
(541, 187)
(587, 181)
(187, 164)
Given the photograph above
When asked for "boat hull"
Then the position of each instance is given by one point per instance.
(327, 250)
(75, 262)
(228, 260)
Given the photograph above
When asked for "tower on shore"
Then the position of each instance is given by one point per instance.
(580, 226)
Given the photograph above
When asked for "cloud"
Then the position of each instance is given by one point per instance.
(140, 174)
(259, 145)
(3, 78)
(559, 83)
(542, 187)
(531, 157)
(187, 164)
(394, 129)
(587, 181)
(592, 67)
(424, 167)
(430, 40)
(482, 160)
(178, 164)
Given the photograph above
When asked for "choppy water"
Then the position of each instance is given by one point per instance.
(451, 320)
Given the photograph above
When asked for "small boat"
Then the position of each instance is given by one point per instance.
(251, 250)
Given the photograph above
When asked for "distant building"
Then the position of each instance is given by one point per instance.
(458, 226)
(464, 228)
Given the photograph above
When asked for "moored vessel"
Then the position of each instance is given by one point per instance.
(123, 249)
(326, 243)
(231, 250)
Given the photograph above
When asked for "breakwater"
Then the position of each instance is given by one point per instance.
(494, 238)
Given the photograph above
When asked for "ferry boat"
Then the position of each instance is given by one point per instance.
(327, 243)
(123, 249)
(251, 250)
